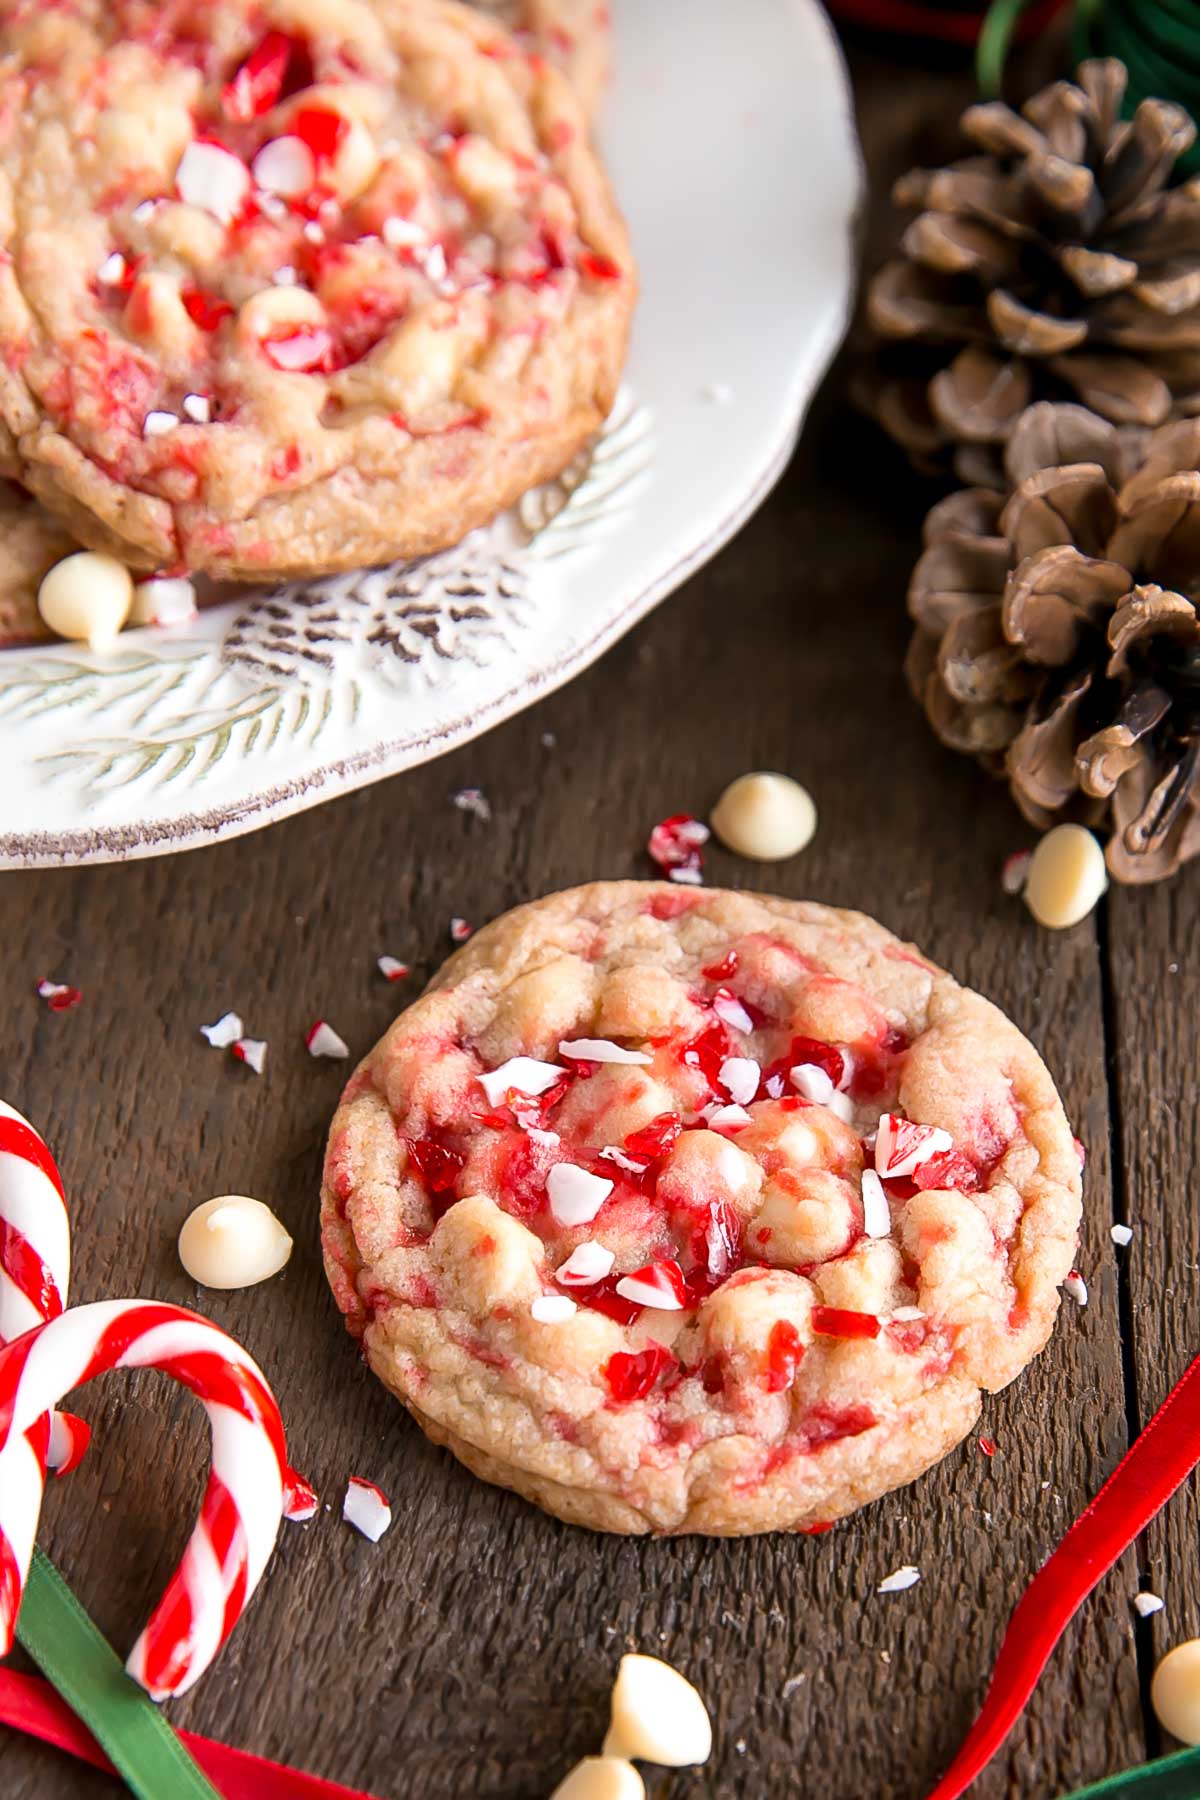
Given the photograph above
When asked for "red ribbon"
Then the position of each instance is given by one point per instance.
(1143, 1481)
(31, 1705)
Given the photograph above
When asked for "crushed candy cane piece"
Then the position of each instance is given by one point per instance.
(1014, 870)
(163, 600)
(740, 1076)
(520, 1075)
(197, 408)
(906, 1315)
(901, 1145)
(546, 1139)
(402, 234)
(553, 1309)
(659, 1284)
(251, 1051)
(300, 1502)
(632, 1165)
(212, 178)
(323, 1040)
(112, 270)
(1146, 1604)
(227, 1030)
(906, 1576)
(675, 845)
(158, 423)
(366, 1507)
(460, 931)
(601, 1050)
(588, 1263)
(726, 1118)
(731, 1012)
(286, 166)
(988, 1446)
(877, 1219)
(576, 1195)
(812, 1083)
(391, 969)
(842, 1107)
(475, 802)
(1122, 1234)
(1076, 1287)
(58, 995)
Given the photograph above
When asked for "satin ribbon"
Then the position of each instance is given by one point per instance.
(1155, 1465)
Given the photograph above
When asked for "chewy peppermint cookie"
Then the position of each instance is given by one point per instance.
(295, 286)
(698, 1211)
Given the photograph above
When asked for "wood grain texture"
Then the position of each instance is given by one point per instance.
(471, 1651)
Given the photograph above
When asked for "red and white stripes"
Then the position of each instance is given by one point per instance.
(243, 1504)
(35, 1261)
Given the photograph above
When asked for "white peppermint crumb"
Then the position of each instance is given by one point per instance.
(885, 1656)
(473, 801)
(792, 1684)
(731, 1012)
(905, 1315)
(1122, 1234)
(313, 232)
(285, 276)
(740, 1746)
(717, 393)
(877, 1218)
(1172, 968)
(251, 1051)
(227, 1030)
(198, 408)
(552, 1309)
(157, 424)
(686, 877)
(1146, 1604)
(549, 740)
(611, 1154)
(112, 269)
(906, 1576)
(1076, 1287)
(144, 211)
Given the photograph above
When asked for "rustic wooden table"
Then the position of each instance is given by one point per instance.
(471, 1652)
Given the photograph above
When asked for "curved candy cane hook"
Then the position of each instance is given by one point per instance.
(243, 1503)
(35, 1259)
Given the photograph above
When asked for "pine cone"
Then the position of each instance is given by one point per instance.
(1057, 635)
(1054, 265)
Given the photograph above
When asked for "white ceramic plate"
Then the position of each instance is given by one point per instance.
(731, 142)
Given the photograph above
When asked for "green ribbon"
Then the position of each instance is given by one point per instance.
(1172, 1778)
(89, 1675)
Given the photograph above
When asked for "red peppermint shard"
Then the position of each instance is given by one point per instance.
(631, 1375)
(299, 1499)
(901, 1146)
(460, 931)
(659, 1284)
(656, 1138)
(675, 845)
(391, 969)
(259, 82)
(837, 1321)
(58, 996)
(204, 309)
(438, 1166)
(784, 1351)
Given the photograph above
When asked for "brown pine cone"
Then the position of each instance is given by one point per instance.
(1056, 264)
(1057, 633)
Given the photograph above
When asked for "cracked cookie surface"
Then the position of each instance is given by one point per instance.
(295, 286)
(696, 1210)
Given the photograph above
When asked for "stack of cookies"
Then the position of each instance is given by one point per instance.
(296, 287)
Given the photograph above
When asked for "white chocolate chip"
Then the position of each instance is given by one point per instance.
(198, 408)
(233, 1242)
(86, 597)
(1067, 876)
(1175, 1692)
(601, 1778)
(213, 179)
(812, 1082)
(552, 1309)
(285, 166)
(576, 1195)
(877, 1219)
(657, 1715)
(158, 423)
(765, 817)
(1122, 1235)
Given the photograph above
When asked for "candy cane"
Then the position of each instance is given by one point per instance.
(35, 1259)
(243, 1503)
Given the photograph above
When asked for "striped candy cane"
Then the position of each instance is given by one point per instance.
(35, 1260)
(243, 1503)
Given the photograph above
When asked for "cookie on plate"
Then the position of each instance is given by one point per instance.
(31, 542)
(295, 286)
(698, 1211)
(576, 34)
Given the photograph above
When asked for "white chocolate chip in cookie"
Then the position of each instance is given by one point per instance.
(233, 1242)
(601, 1778)
(1175, 1692)
(657, 1715)
(1067, 876)
(765, 816)
(86, 597)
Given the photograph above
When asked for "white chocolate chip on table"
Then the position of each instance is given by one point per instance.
(601, 1778)
(233, 1242)
(1175, 1692)
(657, 1716)
(86, 597)
(765, 816)
(1067, 876)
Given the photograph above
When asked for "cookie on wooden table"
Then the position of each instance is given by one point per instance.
(293, 286)
(576, 34)
(698, 1211)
